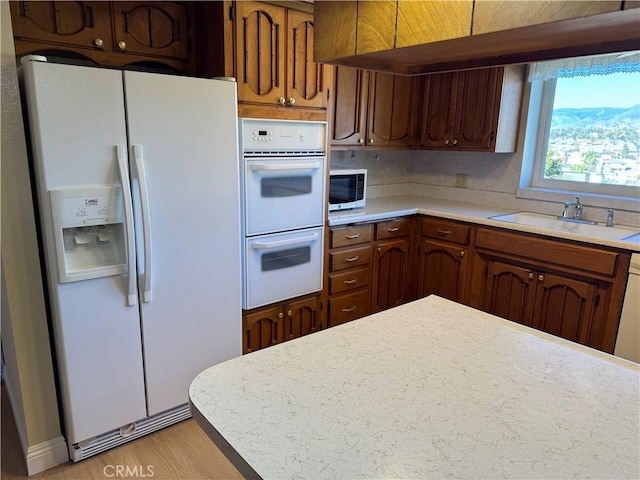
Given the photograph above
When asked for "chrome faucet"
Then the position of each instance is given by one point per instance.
(577, 209)
(610, 217)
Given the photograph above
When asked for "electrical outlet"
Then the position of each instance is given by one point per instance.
(461, 180)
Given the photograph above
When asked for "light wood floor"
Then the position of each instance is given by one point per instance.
(178, 452)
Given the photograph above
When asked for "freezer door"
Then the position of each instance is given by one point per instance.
(76, 117)
(183, 135)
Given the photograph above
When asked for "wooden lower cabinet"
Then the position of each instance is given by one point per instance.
(278, 323)
(443, 259)
(552, 303)
(570, 290)
(392, 264)
(391, 274)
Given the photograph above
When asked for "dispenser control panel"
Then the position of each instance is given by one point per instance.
(87, 207)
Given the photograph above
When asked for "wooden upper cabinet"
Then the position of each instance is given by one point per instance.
(390, 118)
(489, 15)
(260, 52)
(477, 104)
(274, 57)
(65, 23)
(306, 82)
(472, 110)
(153, 28)
(373, 109)
(349, 114)
(112, 34)
(431, 21)
(375, 25)
(460, 109)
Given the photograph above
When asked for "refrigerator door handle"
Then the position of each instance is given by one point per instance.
(132, 298)
(146, 221)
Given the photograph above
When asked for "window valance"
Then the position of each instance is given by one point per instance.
(584, 66)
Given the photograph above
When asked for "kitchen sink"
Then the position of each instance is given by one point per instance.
(554, 223)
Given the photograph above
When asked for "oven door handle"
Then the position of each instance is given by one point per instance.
(284, 243)
(280, 167)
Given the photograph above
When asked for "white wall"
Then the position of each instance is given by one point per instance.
(25, 337)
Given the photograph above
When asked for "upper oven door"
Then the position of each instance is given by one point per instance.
(283, 193)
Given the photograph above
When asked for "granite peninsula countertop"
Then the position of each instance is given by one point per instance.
(380, 208)
(429, 389)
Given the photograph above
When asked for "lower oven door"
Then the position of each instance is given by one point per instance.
(283, 194)
(282, 266)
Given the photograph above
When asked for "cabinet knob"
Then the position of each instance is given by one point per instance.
(360, 141)
(541, 277)
(371, 141)
(280, 315)
(462, 253)
(289, 313)
(530, 275)
(98, 42)
(446, 142)
(122, 45)
(292, 101)
(281, 101)
(455, 142)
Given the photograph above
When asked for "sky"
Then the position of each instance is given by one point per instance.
(615, 90)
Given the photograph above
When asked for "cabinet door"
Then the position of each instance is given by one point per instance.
(349, 113)
(391, 110)
(477, 104)
(301, 318)
(564, 307)
(391, 274)
(152, 28)
(510, 291)
(260, 37)
(70, 23)
(305, 79)
(443, 270)
(262, 329)
(438, 110)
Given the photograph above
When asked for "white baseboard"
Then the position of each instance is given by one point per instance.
(38, 457)
(46, 455)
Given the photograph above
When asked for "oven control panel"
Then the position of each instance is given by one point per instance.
(282, 135)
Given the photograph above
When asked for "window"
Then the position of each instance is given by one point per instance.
(583, 129)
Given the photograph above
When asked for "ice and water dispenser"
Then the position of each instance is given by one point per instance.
(89, 232)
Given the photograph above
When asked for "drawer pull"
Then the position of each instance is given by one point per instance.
(443, 232)
(391, 230)
(355, 235)
(350, 309)
(352, 259)
(350, 282)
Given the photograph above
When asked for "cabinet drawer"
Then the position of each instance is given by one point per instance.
(349, 280)
(393, 228)
(352, 257)
(445, 230)
(352, 235)
(348, 307)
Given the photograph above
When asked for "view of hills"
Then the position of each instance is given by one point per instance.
(596, 117)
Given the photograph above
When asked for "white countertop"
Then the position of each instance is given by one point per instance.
(430, 389)
(380, 208)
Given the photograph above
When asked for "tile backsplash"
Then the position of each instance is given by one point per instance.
(492, 179)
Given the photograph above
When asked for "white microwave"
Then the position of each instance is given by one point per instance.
(347, 189)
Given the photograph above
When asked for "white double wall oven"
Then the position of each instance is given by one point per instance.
(283, 171)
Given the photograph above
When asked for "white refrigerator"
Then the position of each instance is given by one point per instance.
(138, 192)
